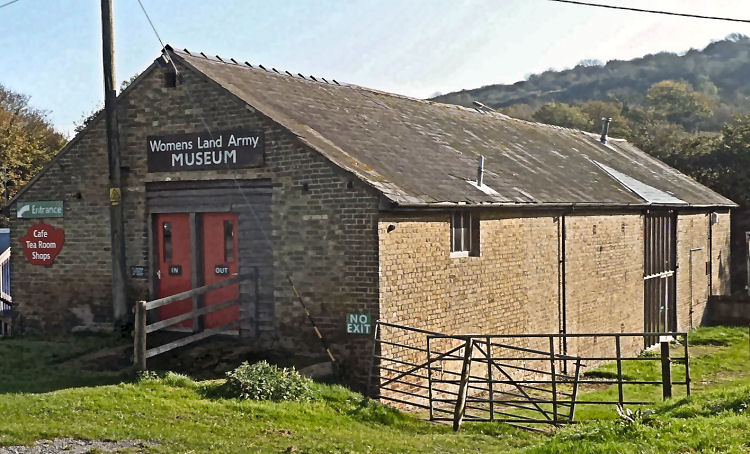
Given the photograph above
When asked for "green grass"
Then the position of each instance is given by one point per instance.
(175, 413)
(33, 365)
(45, 396)
(718, 355)
(715, 421)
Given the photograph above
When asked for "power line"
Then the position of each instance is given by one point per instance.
(653, 11)
(151, 23)
(232, 174)
(8, 3)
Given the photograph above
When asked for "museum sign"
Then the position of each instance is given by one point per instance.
(233, 149)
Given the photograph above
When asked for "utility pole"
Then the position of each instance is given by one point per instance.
(119, 292)
(5, 193)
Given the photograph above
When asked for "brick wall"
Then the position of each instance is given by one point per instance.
(739, 248)
(604, 279)
(327, 232)
(510, 288)
(692, 233)
(513, 286)
(324, 234)
(721, 255)
(76, 289)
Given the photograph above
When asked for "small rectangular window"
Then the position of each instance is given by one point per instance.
(464, 234)
(166, 228)
(228, 241)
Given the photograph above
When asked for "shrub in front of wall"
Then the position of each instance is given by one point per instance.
(263, 381)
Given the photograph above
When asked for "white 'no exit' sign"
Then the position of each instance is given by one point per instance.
(358, 323)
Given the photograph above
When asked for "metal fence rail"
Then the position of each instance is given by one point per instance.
(520, 379)
(401, 366)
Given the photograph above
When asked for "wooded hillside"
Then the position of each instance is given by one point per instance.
(721, 71)
(692, 111)
(689, 110)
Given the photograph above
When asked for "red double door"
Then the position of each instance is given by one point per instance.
(215, 237)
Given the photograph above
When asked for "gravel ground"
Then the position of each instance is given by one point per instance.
(78, 446)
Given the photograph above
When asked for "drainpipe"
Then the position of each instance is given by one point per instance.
(690, 261)
(709, 262)
(561, 287)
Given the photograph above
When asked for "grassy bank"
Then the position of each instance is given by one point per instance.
(45, 395)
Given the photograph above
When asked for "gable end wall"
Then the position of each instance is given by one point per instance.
(324, 237)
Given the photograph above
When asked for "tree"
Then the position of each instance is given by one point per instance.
(596, 110)
(730, 161)
(657, 137)
(677, 102)
(27, 142)
(693, 155)
(91, 116)
(720, 162)
(562, 114)
(522, 111)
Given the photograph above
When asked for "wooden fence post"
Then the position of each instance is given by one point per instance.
(666, 370)
(463, 387)
(139, 336)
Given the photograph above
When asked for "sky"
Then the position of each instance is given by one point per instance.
(50, 50)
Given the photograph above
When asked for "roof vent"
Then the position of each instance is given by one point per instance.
(605, 129)
(483, 106)
(480, 170)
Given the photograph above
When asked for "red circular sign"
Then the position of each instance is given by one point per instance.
(42, 243)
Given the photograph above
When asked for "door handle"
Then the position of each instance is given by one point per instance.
(158, 274)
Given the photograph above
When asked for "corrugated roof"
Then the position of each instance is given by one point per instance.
(422, 153)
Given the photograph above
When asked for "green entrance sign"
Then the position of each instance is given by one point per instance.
(358, 323)
(42, 209)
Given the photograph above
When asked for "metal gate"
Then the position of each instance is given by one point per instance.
(512, 379)
(517, 379)
(659, 269)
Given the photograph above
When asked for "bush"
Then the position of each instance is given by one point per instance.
(167, 378)
(263, 381)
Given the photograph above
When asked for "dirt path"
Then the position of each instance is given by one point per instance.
(78, 446)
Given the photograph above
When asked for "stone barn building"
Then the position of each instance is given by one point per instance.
(373, 203)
